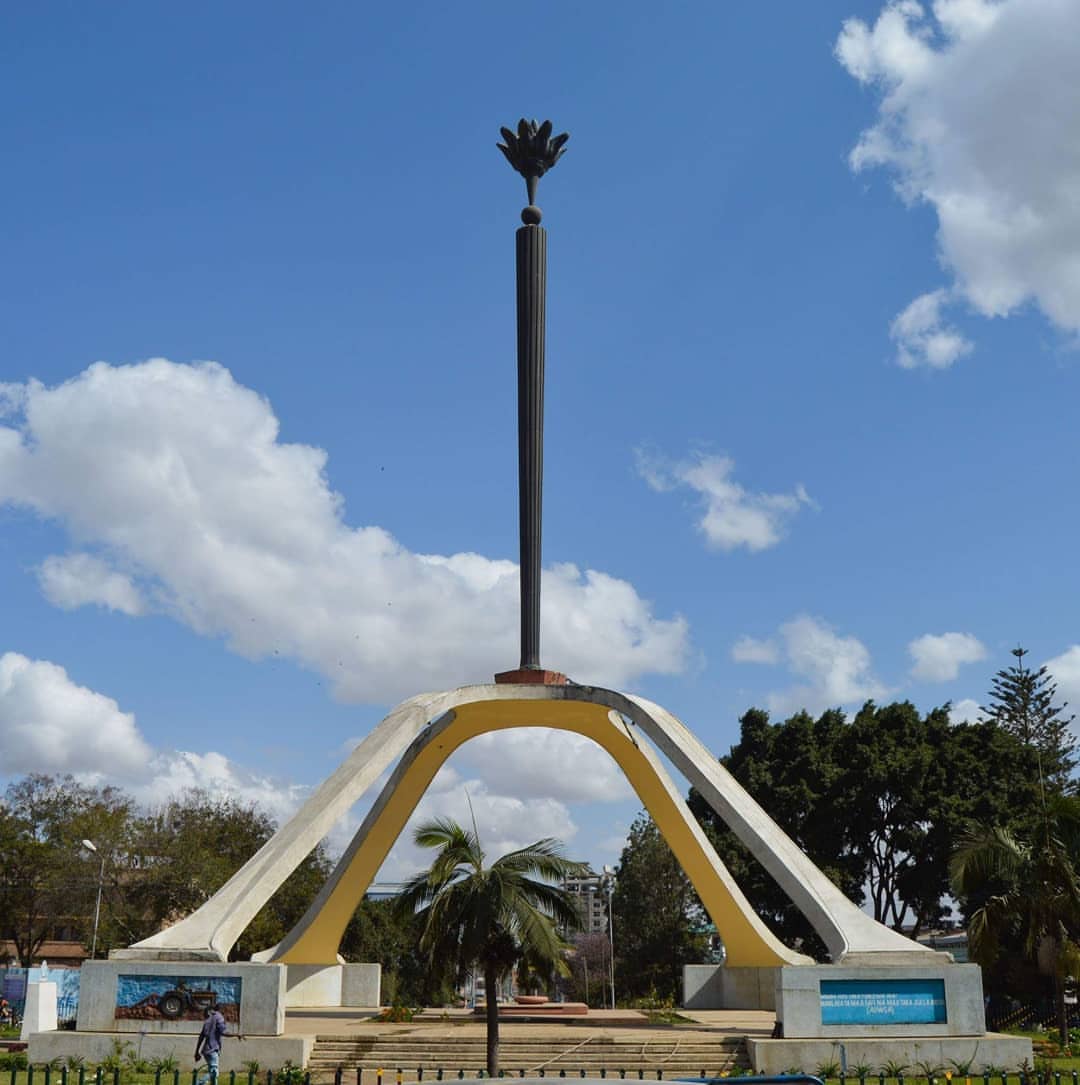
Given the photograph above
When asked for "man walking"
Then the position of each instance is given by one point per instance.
(208, 1045)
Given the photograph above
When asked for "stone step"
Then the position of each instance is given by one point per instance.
(412, 1053)
(606, 1042)
(548, 1048)
(416, 1058)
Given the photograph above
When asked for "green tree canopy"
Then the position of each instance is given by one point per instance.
(1028, 893)
(656, 914)
(48, 880)
(156, 867)
(877, 804)
(1022, 703)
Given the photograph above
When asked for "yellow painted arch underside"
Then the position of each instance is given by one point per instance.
(745, 945)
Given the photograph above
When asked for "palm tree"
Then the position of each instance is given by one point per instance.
(487, 916)
(1030, 891)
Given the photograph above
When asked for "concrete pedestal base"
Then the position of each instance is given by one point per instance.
(807, 1007)
(991, 1049)
(262, 996)
(40, 1012)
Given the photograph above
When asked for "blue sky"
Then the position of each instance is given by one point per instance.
(814, 292)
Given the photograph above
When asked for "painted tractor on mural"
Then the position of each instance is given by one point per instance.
(181, 1000)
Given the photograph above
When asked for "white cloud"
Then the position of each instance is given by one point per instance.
(923, 338)
(838, 669)
(1065, 671)
(733, 516)
(177, 472)
(537, 762)
(504, 822)
(749, 650)
(977, 118)
(965, 711)
(169, 773)
(78, 579)
(938, 657)
(48, 723)
(52, 725)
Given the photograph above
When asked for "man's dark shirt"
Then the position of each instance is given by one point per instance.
(210, 1037)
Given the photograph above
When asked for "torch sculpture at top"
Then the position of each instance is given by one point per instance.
(532, 152)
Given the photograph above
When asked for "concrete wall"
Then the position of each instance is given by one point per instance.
(361, 984)
(313, 985)
(991, 1049)
(262, 996)
(718, 987)
(333, 985)
(271, 1052)
(798, 999)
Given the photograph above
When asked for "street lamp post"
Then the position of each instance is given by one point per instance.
(90, 846)
(609, 885)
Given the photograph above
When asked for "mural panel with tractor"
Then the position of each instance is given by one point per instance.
(177, 998)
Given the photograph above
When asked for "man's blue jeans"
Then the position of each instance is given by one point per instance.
(211, 1074)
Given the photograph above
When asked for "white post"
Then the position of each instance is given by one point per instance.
(609, 884)
(39, 1014)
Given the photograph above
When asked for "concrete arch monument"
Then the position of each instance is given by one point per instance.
(883, 995)
(425, 730)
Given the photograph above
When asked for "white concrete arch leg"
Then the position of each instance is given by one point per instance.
(842, 925)
(211, 931)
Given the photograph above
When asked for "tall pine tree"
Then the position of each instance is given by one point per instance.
(1022, 703)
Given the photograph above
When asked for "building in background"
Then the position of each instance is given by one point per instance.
(590, 893)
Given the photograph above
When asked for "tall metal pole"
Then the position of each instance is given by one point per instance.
(97, 908)
(531, 296)
(532, 152)
(92, 847)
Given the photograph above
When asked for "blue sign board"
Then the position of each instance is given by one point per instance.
(883, 1002)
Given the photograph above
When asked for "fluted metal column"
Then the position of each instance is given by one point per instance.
(531, 151)
(531, 293)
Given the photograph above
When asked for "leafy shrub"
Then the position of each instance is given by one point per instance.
(828, 1068)
(962, 1067)
(862, 1070)
(14, 1060)
(652, 1001)
(289, 1074)
(118, 1056)
(165, 1064)
(251, 1066)
(894, 1068)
